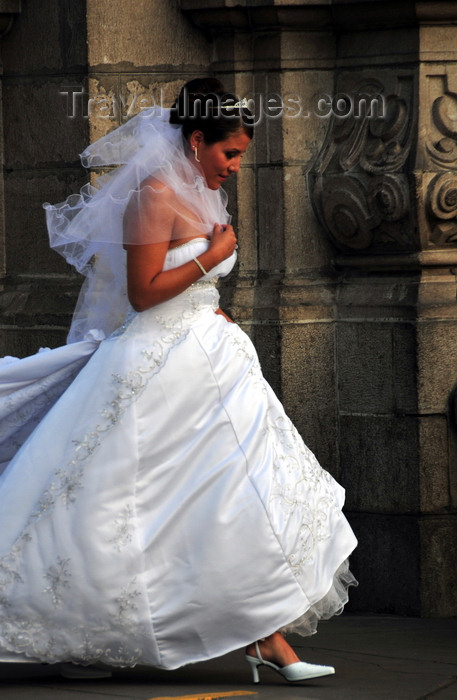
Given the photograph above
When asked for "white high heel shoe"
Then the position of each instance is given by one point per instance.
(298, 671)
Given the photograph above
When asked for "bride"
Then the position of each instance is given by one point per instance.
(157, 505)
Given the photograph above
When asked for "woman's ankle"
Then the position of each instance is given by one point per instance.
(275, 649)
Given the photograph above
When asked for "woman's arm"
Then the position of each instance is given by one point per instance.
(147, 283)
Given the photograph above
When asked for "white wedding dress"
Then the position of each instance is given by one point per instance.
(164, 510)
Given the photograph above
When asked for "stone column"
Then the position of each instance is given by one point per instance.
(139, 55)
(385, 191)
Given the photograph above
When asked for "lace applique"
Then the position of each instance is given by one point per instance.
(59, 579)
(43, 639)
(9, 572)
(126, 606)
(177, 312)
(204, 284)
(124, 528)
(296, 472)
(243, 347)
(65, 488)
(88, 652)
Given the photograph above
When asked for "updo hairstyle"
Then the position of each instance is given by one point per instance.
(204, 105)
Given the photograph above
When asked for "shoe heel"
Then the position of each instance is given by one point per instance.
(254, 664)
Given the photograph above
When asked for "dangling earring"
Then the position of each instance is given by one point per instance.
(196, 154)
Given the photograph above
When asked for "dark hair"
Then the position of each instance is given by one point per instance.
(203, 104)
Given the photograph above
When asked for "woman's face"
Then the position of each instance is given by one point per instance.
(219, 160)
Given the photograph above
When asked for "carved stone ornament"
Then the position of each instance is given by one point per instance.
(441, 147)
(442, 209)
(358, 184)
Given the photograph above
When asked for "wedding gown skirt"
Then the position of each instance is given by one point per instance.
(165, 510)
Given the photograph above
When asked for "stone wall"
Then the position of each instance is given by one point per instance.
(71, 72)
(40, 163)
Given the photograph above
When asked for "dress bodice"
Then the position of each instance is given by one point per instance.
(185, 252)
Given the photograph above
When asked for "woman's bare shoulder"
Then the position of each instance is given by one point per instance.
(152, 187)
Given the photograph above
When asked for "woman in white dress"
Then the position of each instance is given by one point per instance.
(157, 505)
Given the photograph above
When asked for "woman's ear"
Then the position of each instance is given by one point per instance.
(196, 138)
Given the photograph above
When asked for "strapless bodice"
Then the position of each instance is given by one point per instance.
(185, 252)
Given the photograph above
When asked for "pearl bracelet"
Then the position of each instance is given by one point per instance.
(200, 265)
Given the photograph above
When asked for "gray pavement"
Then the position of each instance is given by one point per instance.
(376, 658)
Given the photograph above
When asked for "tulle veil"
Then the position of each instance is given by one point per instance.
(88, 229)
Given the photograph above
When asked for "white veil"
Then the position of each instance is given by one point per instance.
(88, 228)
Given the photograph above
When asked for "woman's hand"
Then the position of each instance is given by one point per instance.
(223, 243)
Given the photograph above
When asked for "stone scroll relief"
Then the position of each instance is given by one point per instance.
(359, 182)
(441, 150)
